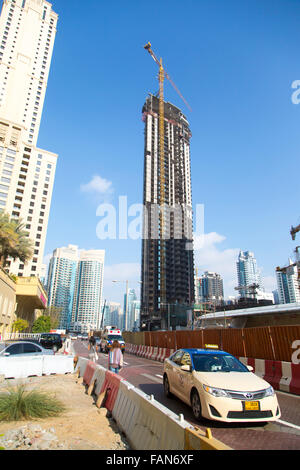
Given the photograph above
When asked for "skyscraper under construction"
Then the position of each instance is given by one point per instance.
(167, 289)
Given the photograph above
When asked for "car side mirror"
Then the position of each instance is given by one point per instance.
(187, 368)
(250, 368)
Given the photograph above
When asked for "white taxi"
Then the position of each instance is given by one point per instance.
(219, 387)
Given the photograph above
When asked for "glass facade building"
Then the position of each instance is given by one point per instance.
(61, 282)
(247, 273)
(87, 299)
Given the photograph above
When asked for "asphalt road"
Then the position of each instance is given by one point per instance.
(147, 375)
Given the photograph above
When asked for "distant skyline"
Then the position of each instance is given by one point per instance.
(235, 63)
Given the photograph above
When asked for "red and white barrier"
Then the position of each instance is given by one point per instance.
(111, 385)
(149, 352)
(284, 376)
(89, 372)
(154, 354)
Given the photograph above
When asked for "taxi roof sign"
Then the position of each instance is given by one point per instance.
(211, 346)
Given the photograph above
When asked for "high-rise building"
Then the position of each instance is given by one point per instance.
(27, 32)
(288, 282)
(136, 315)
(209, 288)
(167, 252)
(113, 315)
(61, 282)
(131, 309)
(248, 274)
(87, 302)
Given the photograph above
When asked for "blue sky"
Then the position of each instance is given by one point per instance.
(234, 61)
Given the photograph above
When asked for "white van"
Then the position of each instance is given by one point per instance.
(109, 335)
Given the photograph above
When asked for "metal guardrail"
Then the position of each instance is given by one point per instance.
(10, 336)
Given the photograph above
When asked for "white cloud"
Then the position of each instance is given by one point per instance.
(97, 185)
(123, 272)
(209, 257)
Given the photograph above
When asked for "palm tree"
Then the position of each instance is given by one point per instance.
(14, 241)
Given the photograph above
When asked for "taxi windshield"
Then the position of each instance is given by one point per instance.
(217, 363)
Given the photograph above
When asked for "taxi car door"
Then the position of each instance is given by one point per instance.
(184, 378)
(173, 371)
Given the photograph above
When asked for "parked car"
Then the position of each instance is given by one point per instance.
(22, 359)
(51, 341)
(219, 387)
(84, 336)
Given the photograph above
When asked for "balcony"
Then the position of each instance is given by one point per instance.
(29, 290)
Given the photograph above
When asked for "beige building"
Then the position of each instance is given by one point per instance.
(23, 298)
(27, 33)
(7, 302)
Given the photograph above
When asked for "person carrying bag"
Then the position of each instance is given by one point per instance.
(115, 358)
(92, 347)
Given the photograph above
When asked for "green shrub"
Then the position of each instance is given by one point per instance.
(18, 404)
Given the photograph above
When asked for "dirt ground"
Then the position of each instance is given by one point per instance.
(82, 426)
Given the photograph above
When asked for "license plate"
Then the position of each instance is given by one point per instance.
(251, 405)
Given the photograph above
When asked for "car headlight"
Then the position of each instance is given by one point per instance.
(216, 392)
(269, 392)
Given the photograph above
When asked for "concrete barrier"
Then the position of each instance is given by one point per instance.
(81, 365)
(154, 354)
(284, 376)
(89, 372)
(149, 352)
(58, 364)
(111, 384)
(147, 424)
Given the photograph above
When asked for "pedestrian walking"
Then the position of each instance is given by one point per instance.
(92, 347)
(115, 358)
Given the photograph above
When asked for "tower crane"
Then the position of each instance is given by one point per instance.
(251, 289)
(294, 230)
(161, 76)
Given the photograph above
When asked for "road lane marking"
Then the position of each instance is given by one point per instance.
(157, 375)
(285, 423)
(152, 378)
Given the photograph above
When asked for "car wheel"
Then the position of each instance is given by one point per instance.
(168, 394)
(196, 405)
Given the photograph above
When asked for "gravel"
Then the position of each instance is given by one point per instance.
(31, 437)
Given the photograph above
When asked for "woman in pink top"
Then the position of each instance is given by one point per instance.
(115, 358)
